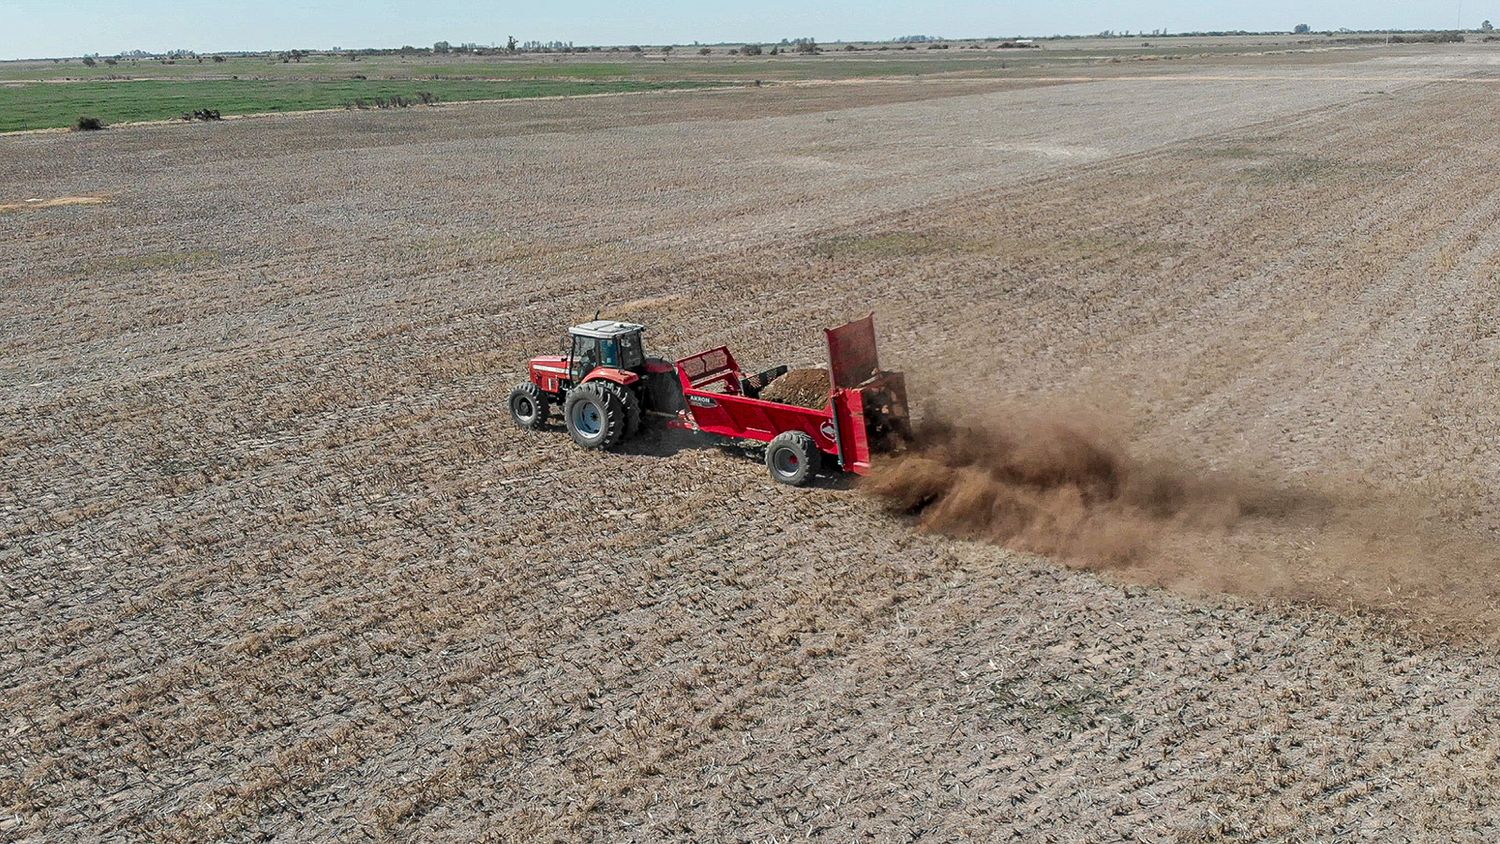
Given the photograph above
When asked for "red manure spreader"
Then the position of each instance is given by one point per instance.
(605, 384)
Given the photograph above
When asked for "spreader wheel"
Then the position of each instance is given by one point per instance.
(528, 406)
(595, 416)
(793, 458)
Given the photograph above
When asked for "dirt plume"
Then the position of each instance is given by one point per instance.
(1065, 485)
(802, 387)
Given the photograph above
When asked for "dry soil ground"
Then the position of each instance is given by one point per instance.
(275, 565)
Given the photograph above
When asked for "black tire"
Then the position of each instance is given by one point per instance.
(793, 458)
(528, 406)
(661, 390)
(594, 416)
(632, 404)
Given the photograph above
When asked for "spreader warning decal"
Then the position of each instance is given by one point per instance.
(828, 431)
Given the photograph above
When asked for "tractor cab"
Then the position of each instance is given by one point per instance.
(606, 343)
(602, 349)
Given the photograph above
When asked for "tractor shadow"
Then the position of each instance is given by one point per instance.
(654, 440)
(662, 441)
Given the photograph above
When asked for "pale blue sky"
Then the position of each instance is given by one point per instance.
(41, 28)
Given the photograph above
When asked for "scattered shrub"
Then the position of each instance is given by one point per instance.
(395, 101)
(203, 114)
(88, 124)
(705, 51)
(750, 50)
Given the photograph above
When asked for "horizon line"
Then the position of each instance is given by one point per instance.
(917, 38)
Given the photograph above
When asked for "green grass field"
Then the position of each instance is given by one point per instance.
(45, 105)
(656, 67)
(46, 94)
(683, 63)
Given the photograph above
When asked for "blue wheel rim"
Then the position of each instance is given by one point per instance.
(587, 419)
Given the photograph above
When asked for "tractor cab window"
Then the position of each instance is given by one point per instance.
(632, 356)
(609, 353)
(585, 356)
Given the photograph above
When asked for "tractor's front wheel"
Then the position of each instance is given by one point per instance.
(528, 406)
(793, 458)
(595, 416)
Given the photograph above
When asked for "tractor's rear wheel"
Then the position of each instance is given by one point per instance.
(631, 403)
(528, 406)
(793, 458)
(595, 416)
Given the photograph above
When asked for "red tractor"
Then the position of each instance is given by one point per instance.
(605, 382)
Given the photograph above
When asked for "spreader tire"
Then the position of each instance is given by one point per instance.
(631, 403)
(793, 458)
(528, 406)
(595, 416)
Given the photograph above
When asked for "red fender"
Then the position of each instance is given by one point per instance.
(623, 377)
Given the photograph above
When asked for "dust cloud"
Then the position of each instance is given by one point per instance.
(1063, 487)
(1065, 484)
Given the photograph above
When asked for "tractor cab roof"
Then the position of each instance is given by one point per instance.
(604, 328)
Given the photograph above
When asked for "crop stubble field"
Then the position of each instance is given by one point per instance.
(276, 564)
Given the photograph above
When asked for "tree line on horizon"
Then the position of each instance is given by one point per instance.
(805, 44)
